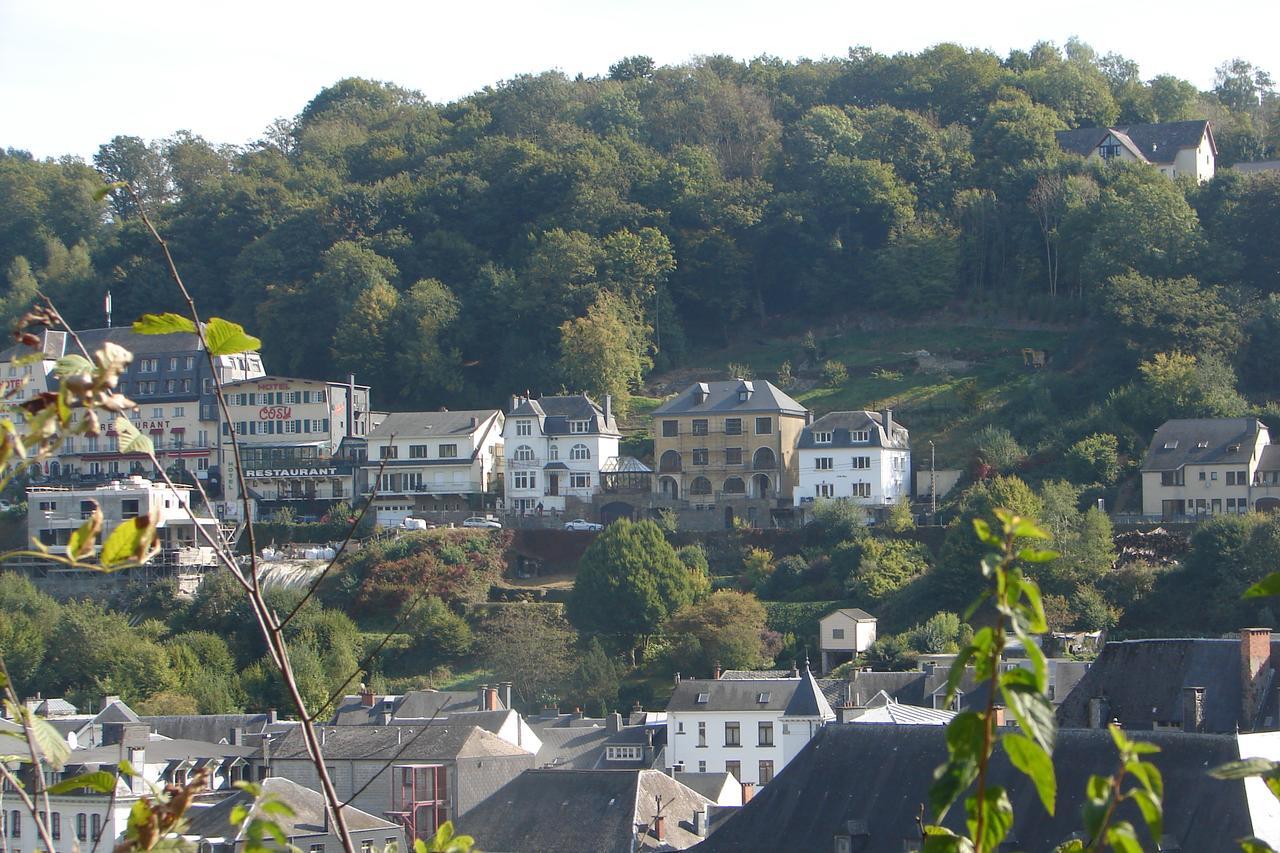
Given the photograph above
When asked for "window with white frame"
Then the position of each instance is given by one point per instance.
(860, 462)
(624, 753)
(822, 438)
(825, 490)
(580, 481)
(823, 463)
(579, 426)
(524, 427)
(859, 435)
(580, 451)
(448, 451)
(862, 490)
(524, 453)
(524, 480)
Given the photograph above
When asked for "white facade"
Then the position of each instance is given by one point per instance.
(433, 461)
(851, 456)
(749, 728)
(1208, 466)
(289, 432)
(555, 449)
(843, 634)
(55, 513)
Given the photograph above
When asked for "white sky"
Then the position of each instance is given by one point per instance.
(74, 73)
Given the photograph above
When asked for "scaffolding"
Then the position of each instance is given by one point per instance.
(419, 799)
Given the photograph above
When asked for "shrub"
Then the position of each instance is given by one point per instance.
(1094, 459)
(834, 373)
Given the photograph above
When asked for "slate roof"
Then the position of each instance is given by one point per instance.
(414, 705)
(914, 687)
(1257, 167)
(556, 412)
(887, 711)
(842, 424)
(56, 707)
(404, 743)
(709, 785)
(1177, 443)
(579, 810)
(722, 398)
(93, 339)
(214, 728)
(579, 748)
(808, 699)
(308, 816)
(856, 613)
(753, 674)
(1269, 459)
(163, 749)
(868, 781)
(1141, 684)
(733, 694)
(1157, 143)
(432, 424)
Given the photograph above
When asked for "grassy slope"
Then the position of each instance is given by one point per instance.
(883, 372)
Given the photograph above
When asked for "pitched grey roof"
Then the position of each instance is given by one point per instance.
(163, 749)
(1269, 459)
(213, 728)
(55, 707)
(722, 398)
(854, 613)
(1179, 442)
(1157, 143)
(868, 781)
(842, 424)
(808, 700)
(751, 674)
(709, 785)
(1257, 167)
(733, 694)
(580, 810)
(408, 743)
(433, 424)
(579, 748)
(308, 816)
(414, 705)
(914, 687)
(1141, 681)
(556, 412)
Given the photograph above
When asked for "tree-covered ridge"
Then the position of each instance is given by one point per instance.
(455, 252)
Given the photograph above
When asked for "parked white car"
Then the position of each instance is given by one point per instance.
(582, 524)
(481, 521)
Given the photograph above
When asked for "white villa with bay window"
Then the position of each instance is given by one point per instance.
(555, 448)
(864, 457)
(422, 462)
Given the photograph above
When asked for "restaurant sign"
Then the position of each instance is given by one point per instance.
(292, 473)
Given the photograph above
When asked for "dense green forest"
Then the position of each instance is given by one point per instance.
(452, 253)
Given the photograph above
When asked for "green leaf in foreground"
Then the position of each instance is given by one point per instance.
(129, 543)
(227, 338)
(131, 440)
(1029, 757)
(1270, 585)
(99, 780)
(162, 324)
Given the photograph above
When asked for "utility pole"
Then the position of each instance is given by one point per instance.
(933, 484)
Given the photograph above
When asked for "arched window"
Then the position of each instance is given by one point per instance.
(580, 451)
(764, 459)
(735, 486)
(700, 486)
(524, 453)
(670, 461)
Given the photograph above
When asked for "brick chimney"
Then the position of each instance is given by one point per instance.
(366, 698)
(748, 791)
(491, 698)
(716, 672)
(997, 712)
(1193, 709)
(1255, 665)
(660, 827)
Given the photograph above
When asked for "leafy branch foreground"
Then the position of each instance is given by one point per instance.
(30, 433)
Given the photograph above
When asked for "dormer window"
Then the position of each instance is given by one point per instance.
(860, 435)
(1201, 445)
(704, 698)
(763, 698)
(1233, 448)
(822, 438)
(580, 426)
(1171, 445)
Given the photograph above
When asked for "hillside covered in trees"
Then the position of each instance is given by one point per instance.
(551, 232)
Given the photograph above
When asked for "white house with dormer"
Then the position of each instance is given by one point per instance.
(431, 462)
(863, 457)
(1176, 148)
(750, 728)
(555, 449)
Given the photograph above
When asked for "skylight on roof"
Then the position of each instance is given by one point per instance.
(1171, 445)
(704, 698)
(1201, 444)
(762, 698)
